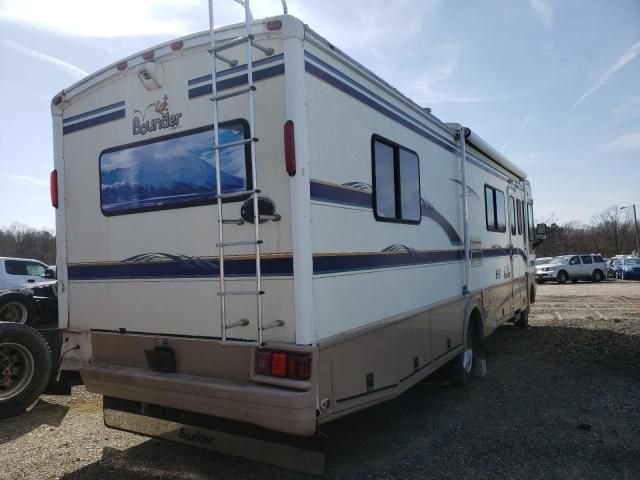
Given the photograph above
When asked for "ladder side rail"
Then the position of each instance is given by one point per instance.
(254, 176)
(216, 136)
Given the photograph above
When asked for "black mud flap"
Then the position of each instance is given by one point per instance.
(53, 336)
(302, 454)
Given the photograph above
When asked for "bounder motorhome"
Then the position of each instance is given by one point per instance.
(276, 248)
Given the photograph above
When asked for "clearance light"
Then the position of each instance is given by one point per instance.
(296, 366)
(289, 148)
(274, 25)
(122, 66)
(53, 187)
(148, 55)
(176, 45)
(57, 100)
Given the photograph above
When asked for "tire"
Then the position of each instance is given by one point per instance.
(25, 367)
(18, 308)
(523, 321)
(460, 369)
(563, 277)
(621, 275)
(574, 280)
(598, 276)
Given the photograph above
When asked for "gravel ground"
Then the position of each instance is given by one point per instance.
(561, 400)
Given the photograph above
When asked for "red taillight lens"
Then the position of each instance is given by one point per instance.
(289, 148)
(296, 366)
(53, 187)
(122, 66)
(176, 45)
(278, 364)
(274, 25)
(148, 55)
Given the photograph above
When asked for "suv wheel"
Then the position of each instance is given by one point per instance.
(598, 276)
(562, 277)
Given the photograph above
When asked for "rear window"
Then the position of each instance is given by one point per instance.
(15, 267)
(172, 171)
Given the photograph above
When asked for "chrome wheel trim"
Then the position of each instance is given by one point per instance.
(467, 359)
(14, 312)
(17, 368)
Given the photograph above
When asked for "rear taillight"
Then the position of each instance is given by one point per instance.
(296, 366)
(53, 187)
(289, 148)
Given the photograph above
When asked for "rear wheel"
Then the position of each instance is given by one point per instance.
(460, 369)
(523, 320)
(563, 277)
(25, 367)
(598, 276)
(17, 308)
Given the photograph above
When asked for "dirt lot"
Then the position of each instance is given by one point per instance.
(561, 400)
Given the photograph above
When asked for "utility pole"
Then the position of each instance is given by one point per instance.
(635, 221)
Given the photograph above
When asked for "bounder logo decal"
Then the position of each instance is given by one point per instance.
(161, 118)
(195, 436)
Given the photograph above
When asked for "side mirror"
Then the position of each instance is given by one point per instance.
(541, 231)
(49, 273)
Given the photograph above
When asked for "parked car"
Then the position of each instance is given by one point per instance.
(33, 305)
(16, 273)
(572, 268)
(543, 260)
(628, 268)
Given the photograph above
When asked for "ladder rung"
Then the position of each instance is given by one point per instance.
(231, 43)
(237, 93)
(243, 343)
(228, 61)
(240, 323)
(237, 194)
(241, 292)
(239, 142)
(266, 50)
(233, 244)
(237, 221)
(276, 323)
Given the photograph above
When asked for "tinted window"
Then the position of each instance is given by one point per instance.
(574, 261)
(171, 172)
(512, 215)
(519, 215)
(15, 267)
(384, 180)
(495, 209)
(586, 259)
(598, 259)
(530, 231)
(396, 182)
(409, 186)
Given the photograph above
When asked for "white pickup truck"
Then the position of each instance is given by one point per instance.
(572, 268)
(16, 273)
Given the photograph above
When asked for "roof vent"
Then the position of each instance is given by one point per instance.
(151, 75)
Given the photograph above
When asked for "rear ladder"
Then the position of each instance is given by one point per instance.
(214, 50)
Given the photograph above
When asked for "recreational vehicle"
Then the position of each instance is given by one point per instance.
(254, 231)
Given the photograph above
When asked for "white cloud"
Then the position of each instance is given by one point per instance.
(67, 67)
(626, 57)
(26, 180)
(544, 9)
(628, 142)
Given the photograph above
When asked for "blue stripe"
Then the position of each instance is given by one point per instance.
(338, 194)
(93, 112)
(229, 71)
(118, 114)
(258, 75)
(271, 267)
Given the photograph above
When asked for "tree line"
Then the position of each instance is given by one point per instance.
(20, 240)
(610, 233)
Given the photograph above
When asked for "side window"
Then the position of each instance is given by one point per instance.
(15, 267)
(35, 269)
(494, 209)
(396, 182)
(586, 259)
(519, 215)
(574, 261)
(512, 214)
(530, 229)
(598, 259)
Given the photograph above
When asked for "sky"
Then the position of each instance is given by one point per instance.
(552, 85)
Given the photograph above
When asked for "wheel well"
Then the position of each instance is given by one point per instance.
(475, 320)
(563, 271)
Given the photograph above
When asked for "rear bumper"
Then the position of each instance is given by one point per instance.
(274, 408)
